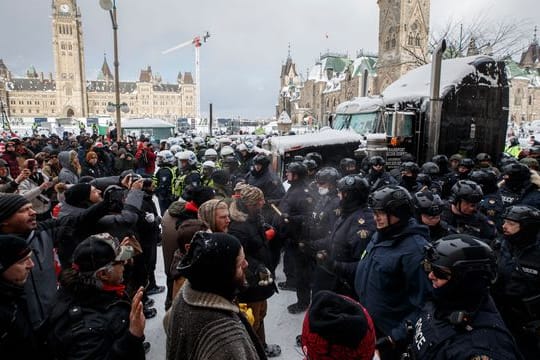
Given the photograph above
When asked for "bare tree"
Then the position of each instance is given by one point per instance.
(500, 39)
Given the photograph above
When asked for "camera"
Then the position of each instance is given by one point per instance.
(31, 164)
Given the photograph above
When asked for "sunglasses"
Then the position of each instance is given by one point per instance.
(438, 271)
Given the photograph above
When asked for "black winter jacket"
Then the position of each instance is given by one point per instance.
(93, 326)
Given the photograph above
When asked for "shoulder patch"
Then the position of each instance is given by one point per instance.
(363, 234)
(361, 221)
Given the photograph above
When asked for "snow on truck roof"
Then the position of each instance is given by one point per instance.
(416, 84)
(282, 144)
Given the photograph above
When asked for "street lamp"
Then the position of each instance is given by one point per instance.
(110, 6)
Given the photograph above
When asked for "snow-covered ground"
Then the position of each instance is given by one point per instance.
(280, 326)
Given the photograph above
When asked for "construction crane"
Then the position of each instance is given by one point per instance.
(197, 41)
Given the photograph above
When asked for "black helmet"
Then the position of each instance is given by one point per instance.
(467, 190)
(310, 164)
(467, 162)
(298, 158)
(394, 200)
(486, 178)
(430, 168)
(483, 157)
(261, 159)
(315, 156)
(513, 141)
(465, 256)
(506, 160)
(351, 183)
(410, 166)
(441, 160)
(407, 157)
(517, 172)
(523, 214)
(347, 162)
(424, 179)
(327, 175)
(297, 168)
(428, 203)
(376, 160)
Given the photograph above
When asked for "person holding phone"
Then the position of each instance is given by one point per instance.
(35, 187)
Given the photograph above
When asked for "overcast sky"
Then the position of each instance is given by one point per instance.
(241, 62)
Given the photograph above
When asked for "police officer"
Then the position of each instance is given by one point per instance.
(517, 291)
(297, 206)
(164, 179)
(463, 214)
(265, 179)
(429, 207)
(348, 240)
(409, 172)
(390, 281)
(492, 203)
(348, 166)
(377, 177)
(461, 321)
(518, 187)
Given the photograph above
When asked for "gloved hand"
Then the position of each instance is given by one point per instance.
(149, 217)
(385, 343)
(265, 276)
(325, 260)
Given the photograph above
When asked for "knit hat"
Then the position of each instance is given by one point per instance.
(207, 211)
(210, 264)
(12, 250)
(99, 250)
(338, 327)
(78, 195)
(220, 177)
(251, 195)
(10, 204)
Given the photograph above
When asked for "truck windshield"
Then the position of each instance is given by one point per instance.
(399, 125)
(340, 121)
(363, 123)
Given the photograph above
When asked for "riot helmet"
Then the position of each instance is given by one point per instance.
(297, 168)
(430, 168)
(428, 203)
(376, 160)
(261, 159)
(528, 219)
(327, 175)
(347, 166)
(316, 157)
(394, 200)
(516, 175)
(466, 190)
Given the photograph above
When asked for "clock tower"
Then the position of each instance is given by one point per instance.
(403, 38)
(68, 50)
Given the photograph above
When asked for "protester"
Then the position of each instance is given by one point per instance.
(214, 268)
(93, 318)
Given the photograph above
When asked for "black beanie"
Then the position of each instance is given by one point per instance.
(78, 195)
(10, 204)
(210, 264)
(337, 319)
(12, 250)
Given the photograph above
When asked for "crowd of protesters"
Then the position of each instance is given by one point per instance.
(435, 260)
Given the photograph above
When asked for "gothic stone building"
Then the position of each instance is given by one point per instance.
(403, 40)
(69, 94)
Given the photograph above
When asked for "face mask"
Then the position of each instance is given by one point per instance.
(323, 191)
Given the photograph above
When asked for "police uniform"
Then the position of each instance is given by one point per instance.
(476, 225)
(492, 206)
(517, 293)
(164, 180)
(478, 336)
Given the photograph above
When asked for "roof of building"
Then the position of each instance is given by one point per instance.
(105, 70)
(146, 75)
(188, 78)
(108, 86)
(25, 84)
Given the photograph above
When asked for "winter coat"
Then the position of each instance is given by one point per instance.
(13, 163)
(268, 182)
(528, 193)
(390, 280)
(297, 205)
(31, 191)
(118, 225)
(94, 327)
(17, 338)
(68, 174)
(169, 234)
(217, 329)
(250, 231)
(40, 288)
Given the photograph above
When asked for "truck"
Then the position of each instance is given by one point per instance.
(474, 96)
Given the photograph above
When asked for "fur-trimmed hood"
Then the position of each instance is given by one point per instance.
(237, 212)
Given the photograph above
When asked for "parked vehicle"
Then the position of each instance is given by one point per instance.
(474, 111)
